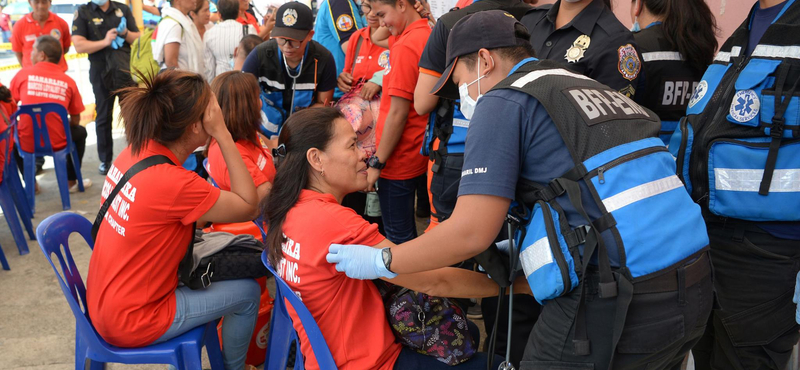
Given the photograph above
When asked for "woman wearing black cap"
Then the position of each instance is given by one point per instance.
(586, 37)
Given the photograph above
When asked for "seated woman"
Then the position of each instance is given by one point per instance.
(238, 97)
(318, 163)
(133, 294)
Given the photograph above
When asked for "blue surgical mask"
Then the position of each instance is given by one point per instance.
(100, 2)
(636, 27)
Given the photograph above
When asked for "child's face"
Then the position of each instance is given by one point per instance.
(391, 16)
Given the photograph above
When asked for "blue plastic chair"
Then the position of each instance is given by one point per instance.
(258, 221)
(42, 146)
(12, 200)
(282, 333)
(182, 352)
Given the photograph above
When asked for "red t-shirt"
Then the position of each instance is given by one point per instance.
(400, 80)
(349, 312)
(45, 82)
(133, 272)
(249, 19)
(371, 58)
(258, 161)
(26, 30)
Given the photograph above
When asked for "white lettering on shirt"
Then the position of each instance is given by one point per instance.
(46, 87)
(677, 93)
(288, 269)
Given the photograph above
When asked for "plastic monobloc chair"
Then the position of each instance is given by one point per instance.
(12, 199)
(182, 352)
(42, 146)
(281, 331)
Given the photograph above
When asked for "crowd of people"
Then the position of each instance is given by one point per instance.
(618, 166)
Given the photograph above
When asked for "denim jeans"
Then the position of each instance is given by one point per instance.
(411, 360)
(235, 300)
(397, 208)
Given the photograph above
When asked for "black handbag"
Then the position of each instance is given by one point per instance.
(231, 263)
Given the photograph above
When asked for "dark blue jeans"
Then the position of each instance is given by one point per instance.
(397, 208)
(410, 360)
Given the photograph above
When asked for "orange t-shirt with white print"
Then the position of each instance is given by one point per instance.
(349, 312)
(133, 272)
(400, 80)
(258, 162)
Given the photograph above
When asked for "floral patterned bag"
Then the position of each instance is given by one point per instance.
(434, 326)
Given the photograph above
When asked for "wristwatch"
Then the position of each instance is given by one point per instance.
(386, 253)
(374, 162)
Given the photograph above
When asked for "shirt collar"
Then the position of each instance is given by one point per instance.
(414, 25)
(584, 21)
(307, 195)
(47, 66)
(50, 15)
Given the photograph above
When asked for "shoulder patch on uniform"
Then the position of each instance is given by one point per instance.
(699, 93)
(344, 23)
(629, 64)
(75, 15)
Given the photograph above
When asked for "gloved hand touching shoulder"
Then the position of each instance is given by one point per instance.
(358, 261)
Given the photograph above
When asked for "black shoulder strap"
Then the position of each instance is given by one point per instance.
(136, 168)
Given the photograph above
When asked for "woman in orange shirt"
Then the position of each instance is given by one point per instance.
(318, 163)
(238, 97)
(132, 292)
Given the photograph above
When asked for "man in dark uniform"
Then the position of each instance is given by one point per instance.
(586, 37)
(738, 155)
(95, 31)
(566, 136)
(445, 146)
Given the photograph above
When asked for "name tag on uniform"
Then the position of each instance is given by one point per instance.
(596, 106)
(97, 21)
(30, 37)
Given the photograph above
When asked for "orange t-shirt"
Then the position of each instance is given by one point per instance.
(371, 58)
(400, 80)
(258, 161)
(26, 30)
(249, 19)
(45, 82)
(349, 312)
(133, 272)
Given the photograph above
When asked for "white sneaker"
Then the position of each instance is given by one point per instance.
(87, 183)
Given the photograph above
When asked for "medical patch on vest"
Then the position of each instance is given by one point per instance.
(601, 105)
(344, 23)
(118, 13)
(745, 105)
(629, 64)
(289, 17)
(577, 51)
(55, 33)
(383, 59)
(699, 93)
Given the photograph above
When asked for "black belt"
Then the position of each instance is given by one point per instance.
(670, 281)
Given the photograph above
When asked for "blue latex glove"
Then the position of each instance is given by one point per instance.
(119, 41)
(796, 298)
(358, 261)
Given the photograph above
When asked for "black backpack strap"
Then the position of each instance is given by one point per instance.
(136, 168)
(778, 123)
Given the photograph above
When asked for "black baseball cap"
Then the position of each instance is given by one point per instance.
(294, 20)
(490, 29)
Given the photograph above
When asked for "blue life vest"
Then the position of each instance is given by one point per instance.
(622, 191)
(738, 148)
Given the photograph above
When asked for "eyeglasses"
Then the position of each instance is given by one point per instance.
(294, 44)
(365, 7)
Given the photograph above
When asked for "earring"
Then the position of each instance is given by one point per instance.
(322, 173)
